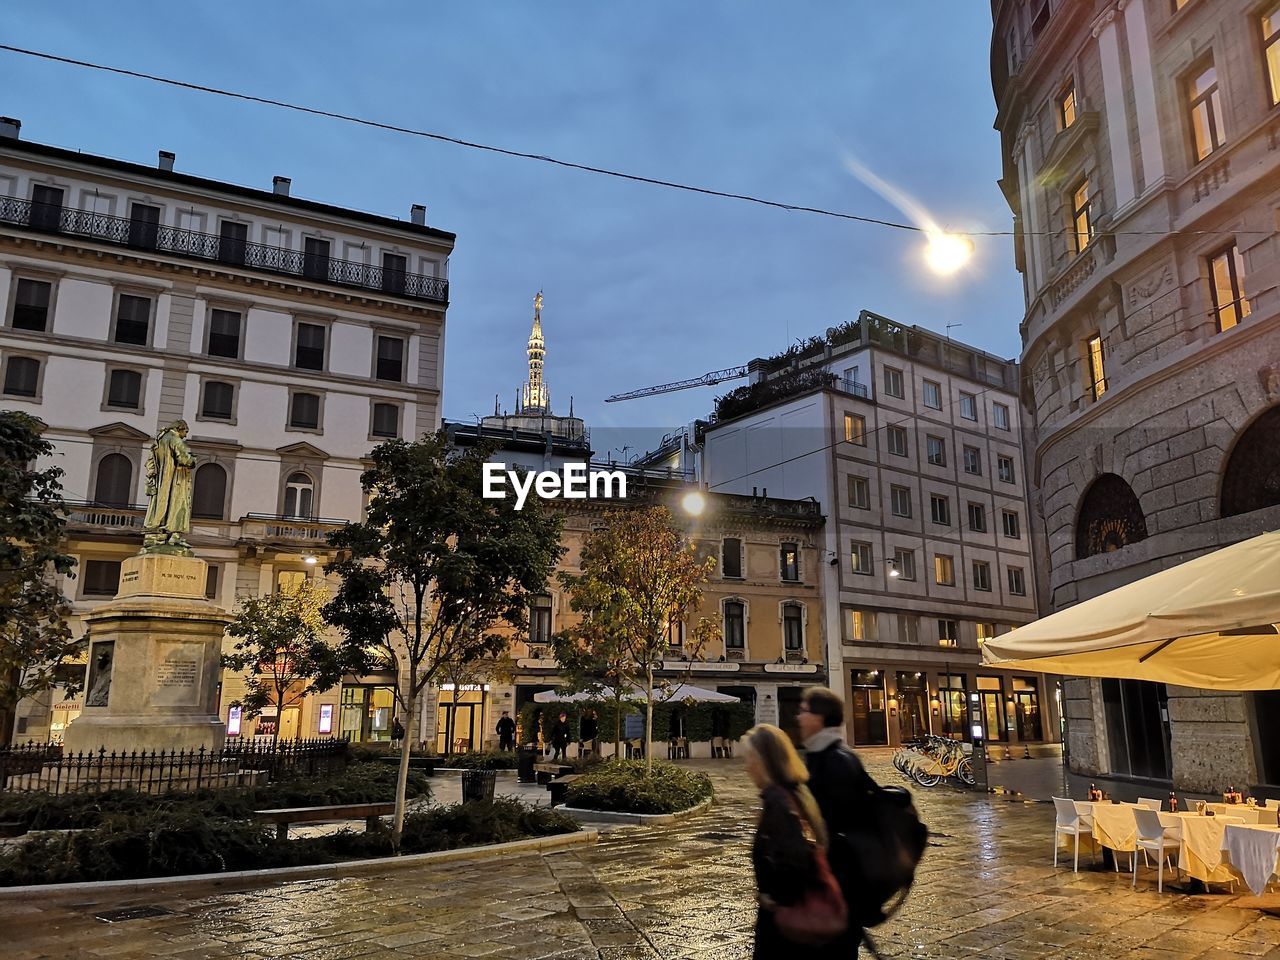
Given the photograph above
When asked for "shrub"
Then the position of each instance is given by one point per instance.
(484, 760)
(621, 785)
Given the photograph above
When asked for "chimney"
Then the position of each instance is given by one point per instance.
(418, 214)
(280, 186)
(166, 161)
(9, 128)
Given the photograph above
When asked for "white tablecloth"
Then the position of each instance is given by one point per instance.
(1254, 853)
(1201, 855)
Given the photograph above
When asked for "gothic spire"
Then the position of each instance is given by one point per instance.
(536, 395)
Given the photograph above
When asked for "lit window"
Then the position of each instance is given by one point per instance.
(982, 576)
(1097, 367)
(1226, 285)
(940, 510)
(1271, 51)
(1000, 415)
(855, 429)
(1017, 583)
(968, 406)
(897, 440)
(1081, 216)
(789, 562)
(893, 382)
(904, 561)
(859, 493)
(933, 395)
(937, 451)
(855, 624)
(985, 632)
(1067, 106)
(1205, 103)
(900, 501)
(944, 570)
(860, 556)
(948, 633)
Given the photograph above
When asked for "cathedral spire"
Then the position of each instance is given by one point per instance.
(536, 396)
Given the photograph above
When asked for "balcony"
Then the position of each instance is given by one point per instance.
(189, 244)
(268, 528)
(88, 513)
(849, 385)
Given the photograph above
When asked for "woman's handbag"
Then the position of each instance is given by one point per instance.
(821, 915)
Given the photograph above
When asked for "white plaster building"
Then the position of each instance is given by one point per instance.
(291, 335)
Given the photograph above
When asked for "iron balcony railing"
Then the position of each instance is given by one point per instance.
(155, 237)
(849, 385)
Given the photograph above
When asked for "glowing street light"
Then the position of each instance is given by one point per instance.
(693, 503)
(945, 253)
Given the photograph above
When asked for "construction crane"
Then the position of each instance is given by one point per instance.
(706, 380)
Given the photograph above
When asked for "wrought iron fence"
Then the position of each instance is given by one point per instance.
(58, 219)
(47, 768)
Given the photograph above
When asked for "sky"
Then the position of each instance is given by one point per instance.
(642, 285)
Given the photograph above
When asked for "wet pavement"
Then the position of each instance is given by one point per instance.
(987, 888)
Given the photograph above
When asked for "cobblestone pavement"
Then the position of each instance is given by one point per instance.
(987, 888)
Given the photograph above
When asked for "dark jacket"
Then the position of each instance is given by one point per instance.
(506, 727)
(589, 728)
(560, 734)
(784, 869)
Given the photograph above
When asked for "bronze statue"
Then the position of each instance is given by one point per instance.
(169, 488)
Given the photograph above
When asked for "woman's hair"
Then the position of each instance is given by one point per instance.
(783, 766)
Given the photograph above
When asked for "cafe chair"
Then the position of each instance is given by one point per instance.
(1153, 837)
(1071, 824)
(1156, 805)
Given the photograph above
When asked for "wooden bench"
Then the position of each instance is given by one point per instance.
(559, 788)
(544, 773)
(426, 764)
(343, 811)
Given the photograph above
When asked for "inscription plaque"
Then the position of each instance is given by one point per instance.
(176, 681)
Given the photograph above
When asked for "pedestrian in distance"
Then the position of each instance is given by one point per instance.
(560, 737)
(795, 888)
(588, 732)
(397, 730)
(506, 732)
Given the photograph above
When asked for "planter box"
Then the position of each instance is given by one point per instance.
(636, 819)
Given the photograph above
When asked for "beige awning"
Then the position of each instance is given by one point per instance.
(1211, 622)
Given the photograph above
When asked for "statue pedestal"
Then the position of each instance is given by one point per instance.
(154, 662)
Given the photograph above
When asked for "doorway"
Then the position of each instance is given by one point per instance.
(913, 706)
(870, 721)
(460, 724)
(1138, 734)
(289, 723)
(366, 713)
(1026, 707)
(1266, 713)
(993, 717)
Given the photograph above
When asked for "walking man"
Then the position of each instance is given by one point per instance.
(560, 738)
(506, 732)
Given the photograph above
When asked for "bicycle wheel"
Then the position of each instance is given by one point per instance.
(965, 772)
(925, 778)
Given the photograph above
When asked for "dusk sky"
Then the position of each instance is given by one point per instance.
(642, 284)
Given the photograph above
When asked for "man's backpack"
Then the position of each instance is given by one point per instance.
(876, 859)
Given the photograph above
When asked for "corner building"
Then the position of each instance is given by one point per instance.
(1141, 149)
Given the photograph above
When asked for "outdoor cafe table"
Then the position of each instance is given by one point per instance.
(1253, 852)
(1202, 839)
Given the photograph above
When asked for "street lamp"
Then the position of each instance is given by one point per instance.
(893, 568)
(693, 503)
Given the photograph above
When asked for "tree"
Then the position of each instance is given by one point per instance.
(595, 659)
(282, 645)
(639, 574)
(433, 568)
(36, 645)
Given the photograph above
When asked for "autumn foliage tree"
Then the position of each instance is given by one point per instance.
(639, 574)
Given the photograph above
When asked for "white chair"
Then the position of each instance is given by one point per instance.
(1072, 824)
(1156, 805)
(1153, 837)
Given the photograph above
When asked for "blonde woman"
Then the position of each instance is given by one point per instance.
(783, 853)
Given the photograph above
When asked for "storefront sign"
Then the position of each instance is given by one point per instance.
(677, 665)
(790, 668)
(545, 664)
(326, 718)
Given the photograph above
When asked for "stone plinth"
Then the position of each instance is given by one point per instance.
(154, 662)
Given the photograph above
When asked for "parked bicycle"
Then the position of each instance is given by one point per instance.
(930, 759)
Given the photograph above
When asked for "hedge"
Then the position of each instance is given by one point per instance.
(623, 785)
(698, 718)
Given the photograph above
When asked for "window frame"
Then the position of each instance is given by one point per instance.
(855, 555)
(977, 511)
(1081, 211)
(969, 400)
(724, 573)
(1018, 574)
(1233, 259)
(893, 431)
(977, 460)
(1000, 416)
(743, 618)
(378, 336)
(857, 482)
(1001, 460)
(948, 632)
(1270, 46)
(792, 548)
(40, 360)
(944, 564)
(934, 500)
(226, 491)
(111, 370)
(799, 618)
(888, 375)
(396, 405)
(1211, 101)
(152, 297)
(242, 313)
(904, 561)
(288, 422)
(1005, 516)
(928, 386)
(1067, 105)
(325, 325)
(1095, 353)
(85, 593)
(20, 277)
(897, 490)
(941, 459)
(286, 482)
(234, 384)
(982, 584)
(857, 436)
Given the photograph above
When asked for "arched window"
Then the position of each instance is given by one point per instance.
(1110, 517)
(1252, 478)
(114, 486)
(208, 501)
(793, 627)
(298, 493)
(735, 625)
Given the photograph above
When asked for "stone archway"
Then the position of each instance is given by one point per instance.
(1251, 480)
(1110, 517)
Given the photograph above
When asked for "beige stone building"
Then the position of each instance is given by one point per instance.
(1142, 162)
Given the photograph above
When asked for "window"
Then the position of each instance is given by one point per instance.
(731, 557)
(897, 439)
(1205, 104)
(540, 620)
(904, 562)
(1226, 286)
(973, 461)
(859, 493)
(1271, 51)
(299, 491)
(315, 258)
(937, 451)
(985, 632)
(948, 633)
(893, 382)
(735, 623)
(793, 627)
(933, 395)
(982, 576)
(908, 628)
(218, 402)
(308, 353)
(789, 562)
(211, 581)
(209, 493)
(233, 239)
(393, 271)
(1004, 469)
(124, 389)
(855, 429)
(101, 578)
(1017, 583)
(21, 377)
(1081, 216)
(855, 624)
(968, 406)
(861, 558)
(46, 208)
(224, 333)
(386, 420)
(114, 484)
(940, 510)
(1097, 366)
(1000, 415)
(304, 411)
(977, 518)
(1067, 106)
(133, 319)
(900, 500)
(675, 633)
(1040, 20)
(390, 365)
(1009, 519)
(31, 305)
(144, 226)
(944, 570)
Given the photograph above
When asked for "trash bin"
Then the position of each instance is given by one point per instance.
(526, 757)
(478, 784)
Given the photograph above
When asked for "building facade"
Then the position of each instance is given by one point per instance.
(292, 336)
(911, 444)
(1141, 162)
